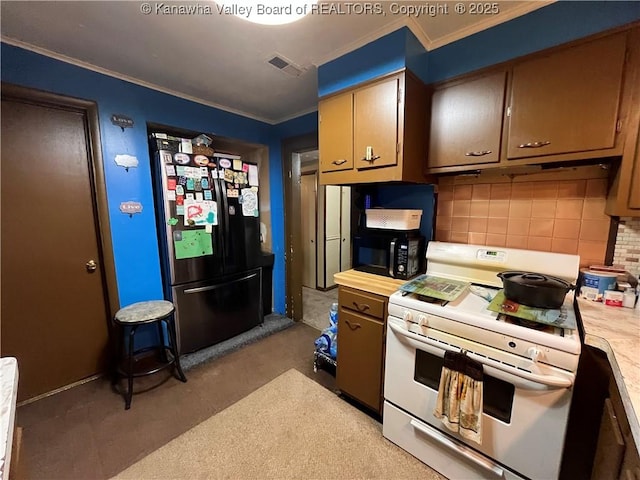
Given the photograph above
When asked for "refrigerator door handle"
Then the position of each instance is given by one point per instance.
(222, 199)
(227, 229)
(213, 287)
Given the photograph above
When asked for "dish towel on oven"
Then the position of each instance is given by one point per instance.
(459, 403)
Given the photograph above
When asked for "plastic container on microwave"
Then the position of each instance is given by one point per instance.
(393, 219)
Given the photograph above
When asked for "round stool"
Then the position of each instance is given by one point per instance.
(132, 317)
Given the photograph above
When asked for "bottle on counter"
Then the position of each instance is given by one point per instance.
(629, 297)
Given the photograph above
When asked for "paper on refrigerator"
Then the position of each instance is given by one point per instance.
(200, 212)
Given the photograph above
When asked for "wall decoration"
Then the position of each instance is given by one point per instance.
(121, 121)
(131, 208)
(228, 176)
(233, 193)
(172, 221)
(225, 163)
(237, 164)
(126, 161)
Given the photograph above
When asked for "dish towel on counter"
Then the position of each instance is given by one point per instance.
(459, 403)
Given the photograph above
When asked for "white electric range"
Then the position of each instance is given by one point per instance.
(529, 368)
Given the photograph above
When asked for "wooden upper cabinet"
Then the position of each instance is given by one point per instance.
(335, 133)
(375, 113)
(624, 192)
(567, 101)
(387, 140)
(466, 121)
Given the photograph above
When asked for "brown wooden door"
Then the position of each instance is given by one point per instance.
(567, 101)
(335, 133)
(54, 318)
(466, 122)
(375, 124)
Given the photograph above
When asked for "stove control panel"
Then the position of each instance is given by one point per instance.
(407, 316)
(423, 320)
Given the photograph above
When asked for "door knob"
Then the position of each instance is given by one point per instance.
(91, 266)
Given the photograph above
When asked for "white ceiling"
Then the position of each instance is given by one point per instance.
(217, 59)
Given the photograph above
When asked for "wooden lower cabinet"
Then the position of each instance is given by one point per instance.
(599, 443)
(361, 330)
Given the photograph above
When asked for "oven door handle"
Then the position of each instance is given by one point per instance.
(466, 452)
(553, 381)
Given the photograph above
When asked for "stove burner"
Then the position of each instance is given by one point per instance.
(526, 323)
(435, 301)
(531, 324)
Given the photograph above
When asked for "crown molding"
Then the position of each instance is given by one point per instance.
(126, 78)
(488, 22)
(361, 42)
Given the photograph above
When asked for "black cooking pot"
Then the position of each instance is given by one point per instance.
(535, 289)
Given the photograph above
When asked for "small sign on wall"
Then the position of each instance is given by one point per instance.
(126, 161)
(121, 121)
(130, 208)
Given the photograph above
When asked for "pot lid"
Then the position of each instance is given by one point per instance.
(532, 279)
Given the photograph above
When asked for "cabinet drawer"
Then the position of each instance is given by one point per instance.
(367, 304)
(359, 370)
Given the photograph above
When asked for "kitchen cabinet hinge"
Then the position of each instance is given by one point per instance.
(619, 126)
(399, 95)
(289, 173)
(508, 111)
(398, 147)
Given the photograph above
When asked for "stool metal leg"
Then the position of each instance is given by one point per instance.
(129, 393)
(171, 328)
(115, 375)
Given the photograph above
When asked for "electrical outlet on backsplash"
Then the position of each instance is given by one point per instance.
(627, 249)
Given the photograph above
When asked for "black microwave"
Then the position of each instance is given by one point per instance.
(392, 253)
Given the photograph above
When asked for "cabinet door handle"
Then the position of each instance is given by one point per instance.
(339, 162)
(534, 144)
(361, 308)
(352, 326)
(372, 159)
(478, 154)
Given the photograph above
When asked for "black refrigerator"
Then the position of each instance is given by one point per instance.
(209, 237)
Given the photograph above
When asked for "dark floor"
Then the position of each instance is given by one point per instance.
(85, 432)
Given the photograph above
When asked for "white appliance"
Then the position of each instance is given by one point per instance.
(528, 372)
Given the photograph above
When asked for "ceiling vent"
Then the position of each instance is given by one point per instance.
(285, 65)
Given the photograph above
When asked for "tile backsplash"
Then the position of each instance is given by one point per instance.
(563, 216)
(627, 250)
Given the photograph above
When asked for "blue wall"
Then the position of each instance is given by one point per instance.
(134, 239)
(546, 27)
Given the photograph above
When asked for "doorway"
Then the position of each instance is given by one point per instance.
(322, 221)
(57, 262)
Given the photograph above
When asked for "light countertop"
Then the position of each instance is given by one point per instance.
(616, 331)
(368, 282)
(8, 396)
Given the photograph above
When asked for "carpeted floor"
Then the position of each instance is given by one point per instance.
(291, 428)
(85, 432)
